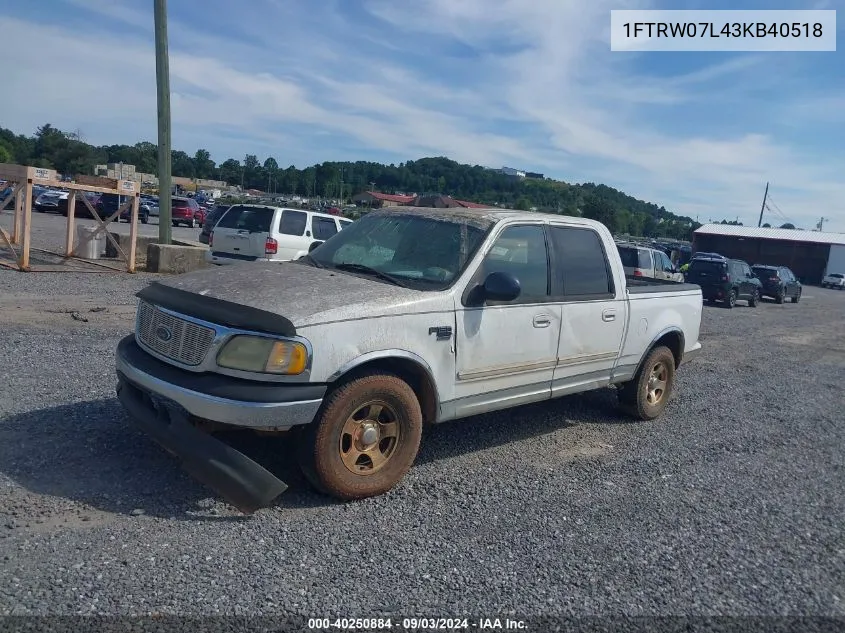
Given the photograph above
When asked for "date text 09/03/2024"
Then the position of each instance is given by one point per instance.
(728, 29)
(415, 624)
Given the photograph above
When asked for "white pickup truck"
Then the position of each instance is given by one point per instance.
(407, 317)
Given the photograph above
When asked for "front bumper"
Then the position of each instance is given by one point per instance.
(158, 398)
(232, 401)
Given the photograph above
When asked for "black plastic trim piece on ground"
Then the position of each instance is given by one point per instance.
(242, 482)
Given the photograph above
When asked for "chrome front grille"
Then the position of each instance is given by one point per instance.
(174, 338)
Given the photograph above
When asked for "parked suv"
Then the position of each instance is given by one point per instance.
(778, 283)
(725, 280)
(834, 280)
(250, 232)
(185, 211)
(641, 261)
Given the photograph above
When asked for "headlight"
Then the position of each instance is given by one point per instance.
(264, 355)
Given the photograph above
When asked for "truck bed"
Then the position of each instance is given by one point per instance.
(642, 285)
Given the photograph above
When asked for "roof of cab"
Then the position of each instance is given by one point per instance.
(482, 216)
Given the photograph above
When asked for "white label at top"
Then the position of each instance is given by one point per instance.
(734, 30)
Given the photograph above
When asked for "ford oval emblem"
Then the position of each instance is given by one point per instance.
(163, 333)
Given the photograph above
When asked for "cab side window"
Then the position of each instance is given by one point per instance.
(582, 271)
(520, 251)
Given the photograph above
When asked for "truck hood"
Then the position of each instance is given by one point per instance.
(301, 294)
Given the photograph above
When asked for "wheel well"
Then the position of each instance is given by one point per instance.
(675, 342)
(411, 372)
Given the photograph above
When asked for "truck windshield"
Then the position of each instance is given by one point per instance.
(424, 253)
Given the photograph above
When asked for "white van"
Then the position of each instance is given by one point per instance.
(254, 232)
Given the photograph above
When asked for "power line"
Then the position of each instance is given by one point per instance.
(779, 212)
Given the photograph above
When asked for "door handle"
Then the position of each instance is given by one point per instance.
(542, 320)
(608, 315)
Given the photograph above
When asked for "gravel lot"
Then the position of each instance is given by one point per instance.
(730, 504)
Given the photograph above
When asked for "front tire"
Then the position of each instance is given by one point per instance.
(755, 299)
(364, 439)
(796, 298)
(647, 395)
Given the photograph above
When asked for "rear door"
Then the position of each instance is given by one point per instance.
(594, 311)
(741, 272)
(792, 284)
(292, 234)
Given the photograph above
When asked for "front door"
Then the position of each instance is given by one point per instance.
(506, 352)
(594, 313)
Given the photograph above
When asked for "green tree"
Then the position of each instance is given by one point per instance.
(182, 165)
(599, 209)
(5, 154)
(788, 225)
(203, 165)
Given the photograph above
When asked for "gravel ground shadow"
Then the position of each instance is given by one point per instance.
(90, 453)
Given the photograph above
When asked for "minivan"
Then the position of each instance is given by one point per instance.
(252, 232)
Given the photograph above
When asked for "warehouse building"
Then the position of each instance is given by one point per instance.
(809, 254)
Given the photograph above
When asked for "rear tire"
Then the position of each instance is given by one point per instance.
(730, 302)
(647, 395)
(365, 437)
(796, 298)
(779, 298)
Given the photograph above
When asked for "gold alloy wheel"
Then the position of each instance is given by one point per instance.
(657, 383)
(369, 438)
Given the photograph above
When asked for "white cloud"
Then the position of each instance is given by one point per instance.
(540, 90)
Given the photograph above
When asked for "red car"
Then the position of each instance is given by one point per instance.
(186, 211)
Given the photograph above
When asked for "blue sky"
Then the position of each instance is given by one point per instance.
(525, 84)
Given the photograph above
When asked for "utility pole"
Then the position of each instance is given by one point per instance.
(765, 195)
(821, 223)
(163, 90)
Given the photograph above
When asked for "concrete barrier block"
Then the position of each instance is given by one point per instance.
(174, 259)
(140, 246)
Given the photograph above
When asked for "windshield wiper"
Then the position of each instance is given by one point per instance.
(361, 268)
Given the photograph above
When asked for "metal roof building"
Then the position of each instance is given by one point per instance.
(809, 254)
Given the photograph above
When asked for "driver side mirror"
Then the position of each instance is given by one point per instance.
(501, 286)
